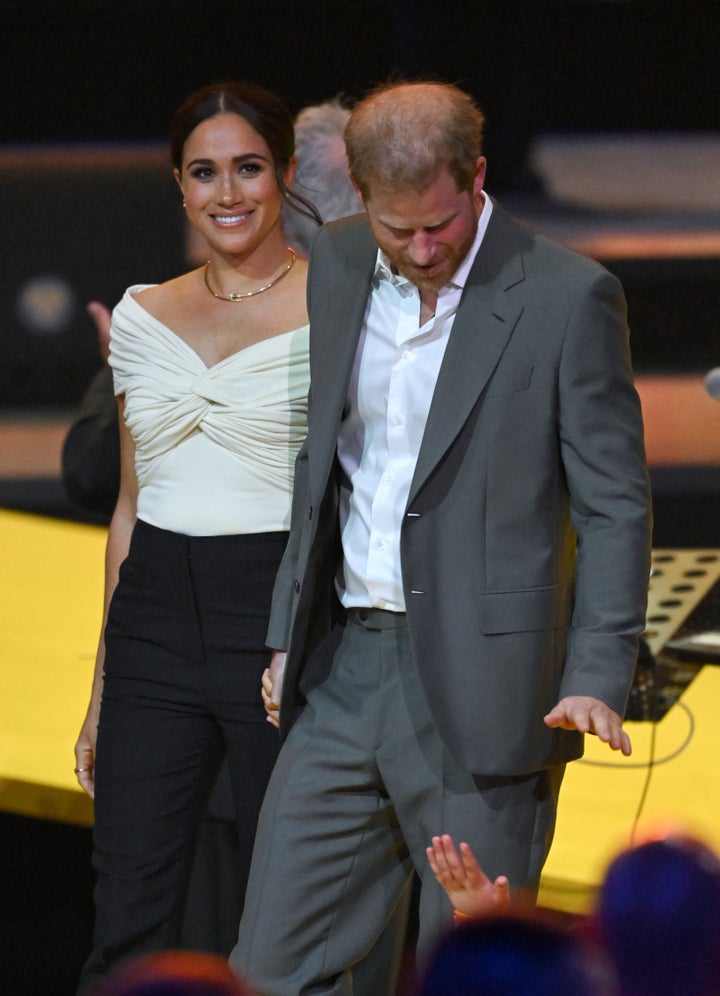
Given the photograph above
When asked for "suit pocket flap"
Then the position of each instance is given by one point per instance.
(520, 611)
(509, 381)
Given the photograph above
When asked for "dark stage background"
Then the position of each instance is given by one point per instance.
(99, 76)
(88, 70)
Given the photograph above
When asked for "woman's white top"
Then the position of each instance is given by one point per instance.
(215, 446)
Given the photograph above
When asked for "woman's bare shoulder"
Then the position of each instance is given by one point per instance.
(166, 298)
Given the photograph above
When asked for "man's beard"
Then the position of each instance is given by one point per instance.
(449, 260)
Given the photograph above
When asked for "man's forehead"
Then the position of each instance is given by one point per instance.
(411, 208)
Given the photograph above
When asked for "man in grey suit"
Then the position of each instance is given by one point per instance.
(466, 574)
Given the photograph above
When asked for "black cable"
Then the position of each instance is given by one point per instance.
(628, 765)
(643, 795)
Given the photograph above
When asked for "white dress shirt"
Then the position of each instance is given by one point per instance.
(393, 379)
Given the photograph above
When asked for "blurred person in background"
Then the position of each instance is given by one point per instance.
(658, 918)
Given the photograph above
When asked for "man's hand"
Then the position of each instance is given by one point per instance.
(470, 890)
(588, 715)
(272, 686)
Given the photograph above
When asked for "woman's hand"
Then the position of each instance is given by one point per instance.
(272, 687)
(85, 749)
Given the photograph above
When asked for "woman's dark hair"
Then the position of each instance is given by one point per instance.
(264, 111)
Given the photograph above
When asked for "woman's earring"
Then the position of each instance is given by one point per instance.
(184, 203)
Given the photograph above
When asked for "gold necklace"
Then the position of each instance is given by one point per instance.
(252, 293)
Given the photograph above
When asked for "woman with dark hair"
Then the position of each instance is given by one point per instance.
(263, 111)
(211, 374)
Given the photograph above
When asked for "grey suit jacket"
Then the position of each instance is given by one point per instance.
(525, 546)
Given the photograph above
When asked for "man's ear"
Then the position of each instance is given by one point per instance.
(356, 188)
(479, 179)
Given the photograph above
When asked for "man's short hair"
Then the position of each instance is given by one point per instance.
(402, 135)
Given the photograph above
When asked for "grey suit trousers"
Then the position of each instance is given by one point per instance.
(362, 783)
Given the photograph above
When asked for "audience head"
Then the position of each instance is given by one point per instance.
(322, 172)
(659, 918)
(174, 973)
(263, 110)
(506, 956)
(403, 135)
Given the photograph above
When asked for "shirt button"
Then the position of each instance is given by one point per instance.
(381, 544)
(397, 419)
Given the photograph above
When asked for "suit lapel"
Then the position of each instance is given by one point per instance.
(487, 315)
(483, 325)
(336, 323)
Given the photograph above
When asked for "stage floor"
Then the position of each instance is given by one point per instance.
(51, 583)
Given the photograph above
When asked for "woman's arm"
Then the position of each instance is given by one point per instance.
(121, 527)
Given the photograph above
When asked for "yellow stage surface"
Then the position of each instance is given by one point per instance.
(51, 582)
(51, 587)
(601, 794)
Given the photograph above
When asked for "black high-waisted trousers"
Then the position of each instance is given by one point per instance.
(185, 651)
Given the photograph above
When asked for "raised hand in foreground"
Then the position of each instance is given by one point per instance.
(469, 889)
